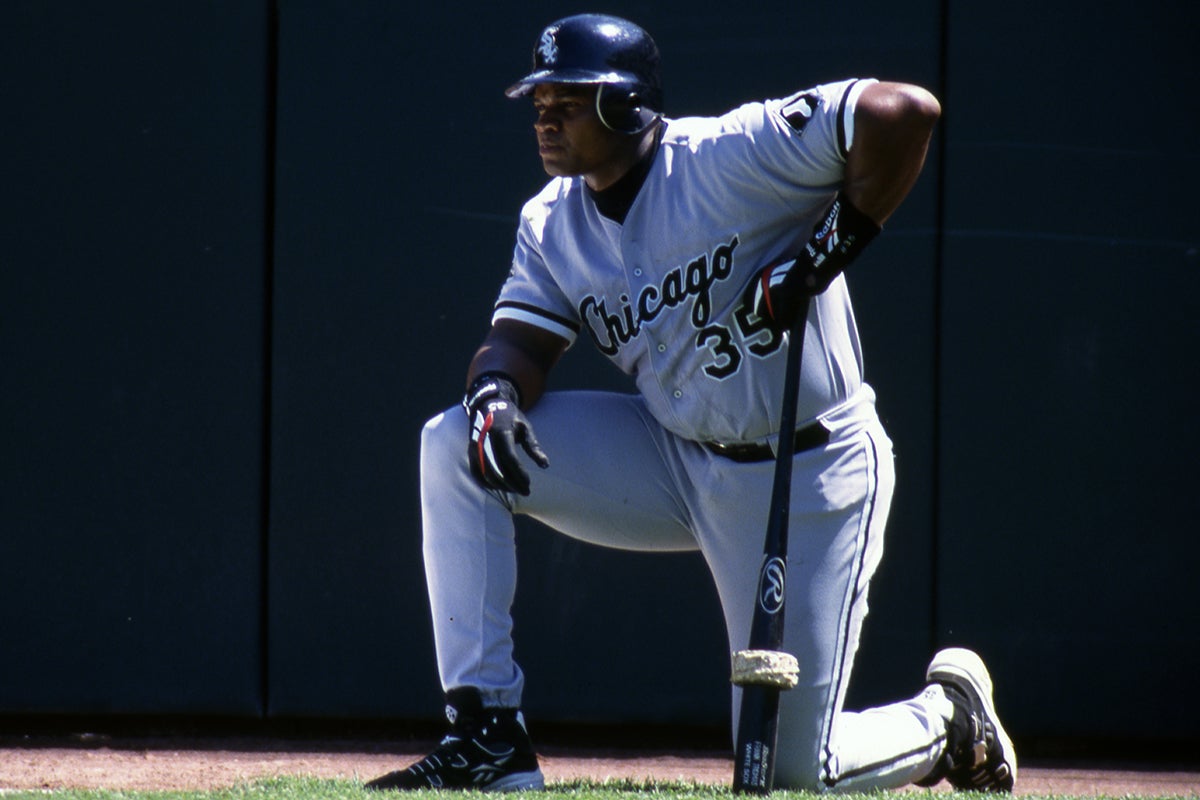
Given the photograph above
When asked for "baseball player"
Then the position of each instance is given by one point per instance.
(682, 249)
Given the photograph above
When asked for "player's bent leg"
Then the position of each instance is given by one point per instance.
(823, 748)
(839, 543)
(470, 567)
(614, 476)
(469, 541)
(886, 747)
(608, 483)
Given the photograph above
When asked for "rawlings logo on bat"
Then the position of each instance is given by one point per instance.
(772, 585)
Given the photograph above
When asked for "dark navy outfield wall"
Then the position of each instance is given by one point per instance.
(133, 264)
(248, 248)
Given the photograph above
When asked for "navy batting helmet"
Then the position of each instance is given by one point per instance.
(611, 52)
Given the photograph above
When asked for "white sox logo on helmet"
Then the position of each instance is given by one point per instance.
(548, 48)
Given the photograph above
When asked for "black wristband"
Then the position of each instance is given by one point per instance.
(488, 385)
(837, 239)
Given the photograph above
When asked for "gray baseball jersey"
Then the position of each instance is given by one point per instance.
(661, 295)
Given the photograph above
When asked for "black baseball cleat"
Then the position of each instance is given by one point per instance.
(486, 749)
(979, 755)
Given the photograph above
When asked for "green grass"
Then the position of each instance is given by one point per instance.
(301, 788)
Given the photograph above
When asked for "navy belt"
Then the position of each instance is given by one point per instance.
(807, 438)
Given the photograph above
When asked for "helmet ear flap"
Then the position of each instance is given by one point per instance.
(622, 109)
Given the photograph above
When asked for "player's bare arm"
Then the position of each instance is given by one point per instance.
(526, 353)
(893, 123)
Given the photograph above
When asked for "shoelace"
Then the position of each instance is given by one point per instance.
(445, 754)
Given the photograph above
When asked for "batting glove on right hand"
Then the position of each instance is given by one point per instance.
(498, 428)
(779, 289)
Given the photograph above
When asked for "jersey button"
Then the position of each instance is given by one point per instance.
(637, 271)
(678, 394)
(662, 348)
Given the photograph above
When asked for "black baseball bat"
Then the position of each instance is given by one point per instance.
(758, 720)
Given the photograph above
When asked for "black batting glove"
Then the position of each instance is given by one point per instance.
(498, 428)
(779, 289)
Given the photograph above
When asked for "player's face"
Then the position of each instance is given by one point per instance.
(573, 141)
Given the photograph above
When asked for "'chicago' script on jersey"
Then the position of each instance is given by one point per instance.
(610, 331)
